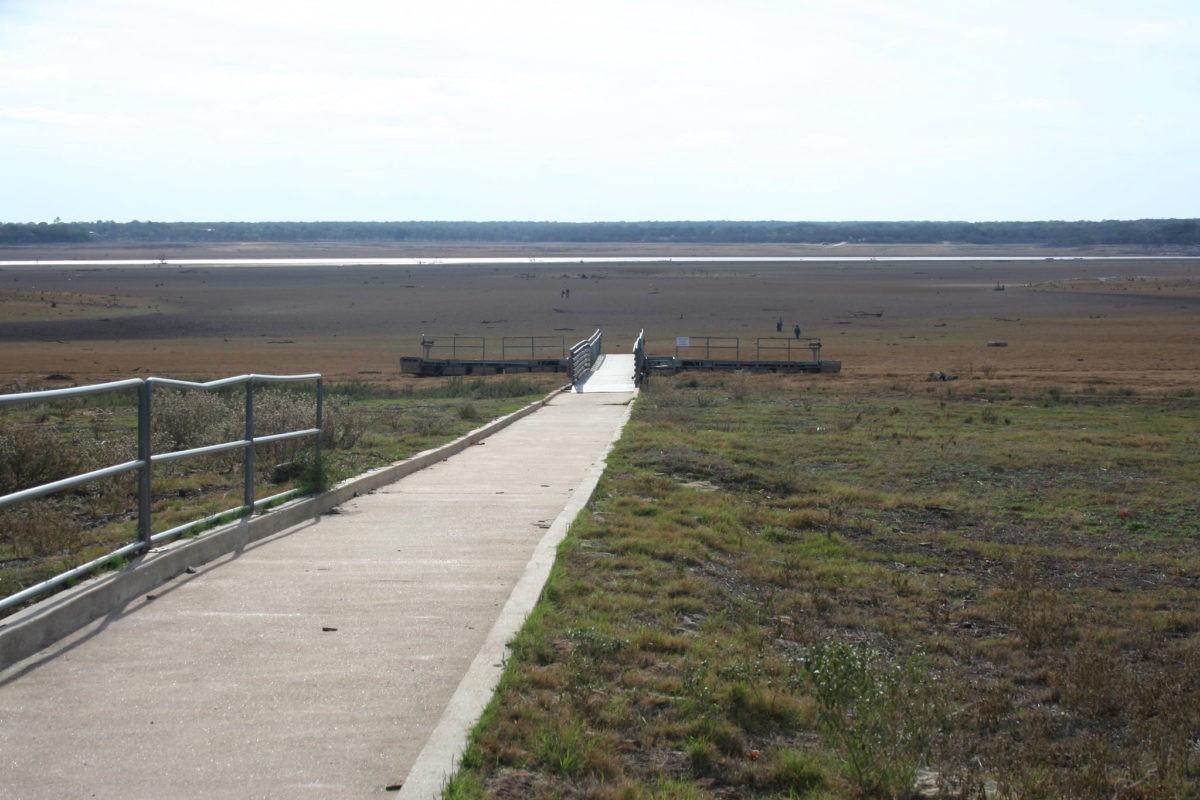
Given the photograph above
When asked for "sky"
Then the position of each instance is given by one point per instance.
(575, 110)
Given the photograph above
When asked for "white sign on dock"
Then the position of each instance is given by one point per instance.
(683, 341)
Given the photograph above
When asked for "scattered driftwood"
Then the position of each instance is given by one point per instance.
(997, 343)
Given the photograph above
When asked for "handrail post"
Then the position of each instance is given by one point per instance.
(248, 460)
(144, 455)
(320, 415)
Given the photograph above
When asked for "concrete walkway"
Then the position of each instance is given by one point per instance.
(315, 663)
(613, 373)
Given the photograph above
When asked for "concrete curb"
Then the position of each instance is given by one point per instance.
(440, 755)
(38, 626)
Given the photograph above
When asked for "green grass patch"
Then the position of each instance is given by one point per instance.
(799, 587)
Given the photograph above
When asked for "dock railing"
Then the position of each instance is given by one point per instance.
(146, 459)
(533, 347)
(584, 355)
(455, 347)
(722, 348)
(769, 348)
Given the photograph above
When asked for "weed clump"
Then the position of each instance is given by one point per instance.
(39, 529)
(877, 714)
(1037, 614)
(31, 455)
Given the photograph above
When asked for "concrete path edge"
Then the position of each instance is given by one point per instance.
(440, 755)
(40, 625)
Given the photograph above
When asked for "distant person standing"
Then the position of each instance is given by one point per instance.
(796, 330)
(779, 325)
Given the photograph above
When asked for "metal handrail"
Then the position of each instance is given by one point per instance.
(785, 343)
(584, 355)
(474, 345)
(710, 343)
(533, 344)
(147, 459)
(639, 357)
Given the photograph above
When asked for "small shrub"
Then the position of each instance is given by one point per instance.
(340, 427)
(726, 737)
(31, 456)
(467, 411)
(878, 714)
(761, 708)
(1094, 680)
(280, 410)
(794, 771)
(595, 644)
(195, 418)
(504, 389)
(1036, 613)
(740, 389)
(39, 529)
(463, 786)
(429, 424)
(702, 756)
(567, 750)
(316, 476)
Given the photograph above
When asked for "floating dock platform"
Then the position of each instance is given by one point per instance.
(468, 355)
(439, 367)
(662, 365)
(670, 365)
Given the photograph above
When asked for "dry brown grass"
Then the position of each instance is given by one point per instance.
(354, 322)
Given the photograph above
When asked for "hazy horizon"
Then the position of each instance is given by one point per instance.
(615, 111)
(629, 221)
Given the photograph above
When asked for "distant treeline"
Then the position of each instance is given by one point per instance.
(1120, 232)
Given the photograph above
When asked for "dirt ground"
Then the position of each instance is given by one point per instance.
(1127, 322)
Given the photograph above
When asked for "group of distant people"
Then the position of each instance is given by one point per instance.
(779, 327)
(565, 293)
